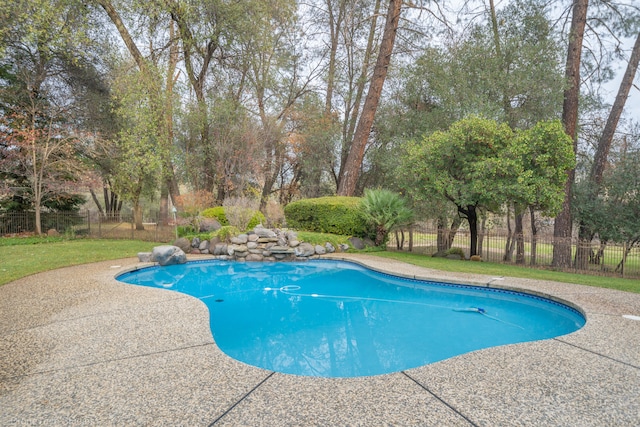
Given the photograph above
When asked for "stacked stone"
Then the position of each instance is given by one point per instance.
(259, 244)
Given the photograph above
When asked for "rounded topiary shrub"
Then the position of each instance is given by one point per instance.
(336, 215)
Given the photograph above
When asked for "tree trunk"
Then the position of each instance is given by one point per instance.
(163, 217)
(349, 179)
(97, 202)
(604, 144)
(411, 238)
(472, 217)
(519, 232)
(350, 120)
(38, 220)
(442, 237)
(453, 230)
(399, 239)
(482, 233)
(534, 237)
(446, 234)
(137, 216)
(583, 249)
(508, 247)
(563, 222)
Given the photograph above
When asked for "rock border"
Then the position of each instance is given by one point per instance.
(259, 244)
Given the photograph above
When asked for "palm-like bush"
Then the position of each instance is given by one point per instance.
(385, 210)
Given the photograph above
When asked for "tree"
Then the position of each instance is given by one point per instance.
(138, 168)
(41, 122)
(613, 213)
(563, 222)
(546, 153)
(602, 151)
(271, 64)
(348, 181)
(158, 99)
(468, 166)
(46, 153)
(480, 164)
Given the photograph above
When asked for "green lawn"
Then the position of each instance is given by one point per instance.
(21, 257)
(495, 269)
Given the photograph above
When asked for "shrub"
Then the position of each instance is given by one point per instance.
(227, 232)
(228, 215)
(455, 251)
(192, 204)
(184, 230)
(335, 215)
(385, 210)
(217, 213)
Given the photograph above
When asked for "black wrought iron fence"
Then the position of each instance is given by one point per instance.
(60, 222)
(604, 258)
(87, 223)
(122, 226)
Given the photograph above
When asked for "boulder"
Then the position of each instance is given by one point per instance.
(209, 224)
(240, 239)
(329, 248)
(264, 232)
(280, 249)
(343, 247)
(219, 249)
(320, 250)
(357, 243)
(183, 244)
(304, 250)
(53, 233)
(294, 243)
(169, 255)
(145, 257)
(195, 242)
(291, 235)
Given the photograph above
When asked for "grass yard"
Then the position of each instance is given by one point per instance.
(496, 269)
(20, 257)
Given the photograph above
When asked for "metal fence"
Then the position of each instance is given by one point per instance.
(611, 259)
(12, 223)
(87, 223)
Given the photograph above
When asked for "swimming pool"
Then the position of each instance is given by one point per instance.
(330, 318)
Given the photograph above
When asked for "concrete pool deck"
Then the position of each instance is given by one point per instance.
(78, 347)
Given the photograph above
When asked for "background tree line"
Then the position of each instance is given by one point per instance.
(278, 100)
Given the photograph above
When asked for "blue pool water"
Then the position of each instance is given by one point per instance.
(337, 319)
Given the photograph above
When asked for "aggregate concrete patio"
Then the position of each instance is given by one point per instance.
(79, 348)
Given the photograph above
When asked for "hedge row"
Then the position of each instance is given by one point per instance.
(336, 215)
